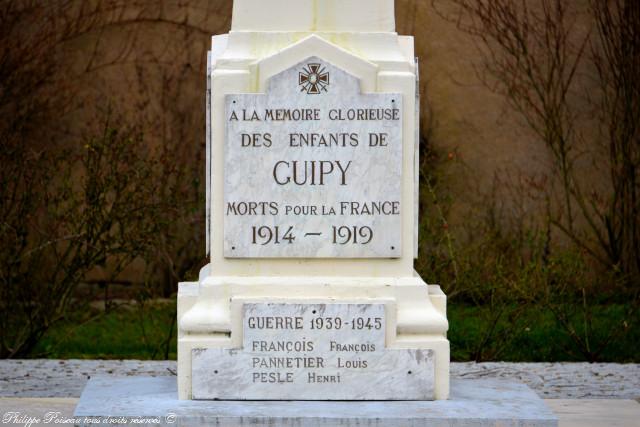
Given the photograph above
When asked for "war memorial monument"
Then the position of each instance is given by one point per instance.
(310, 311)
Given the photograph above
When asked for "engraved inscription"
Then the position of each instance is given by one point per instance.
(313, 351)
(313, 176)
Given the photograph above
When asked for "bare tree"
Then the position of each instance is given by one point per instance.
(532, 52)
(616, 56)
(114, 184)
(536, 55)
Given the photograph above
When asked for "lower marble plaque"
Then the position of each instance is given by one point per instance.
(313, 352)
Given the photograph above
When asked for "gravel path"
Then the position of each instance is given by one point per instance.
(562, 380)
(66, 378)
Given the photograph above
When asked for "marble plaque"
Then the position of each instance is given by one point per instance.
(313, 352)
(313, 168)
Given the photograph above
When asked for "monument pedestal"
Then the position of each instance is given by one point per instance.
(312, 201)
(482, 403)
(310, 312)
(414, 316)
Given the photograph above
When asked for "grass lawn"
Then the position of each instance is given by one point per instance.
(149, 332)
(124, 332)
(535, 335)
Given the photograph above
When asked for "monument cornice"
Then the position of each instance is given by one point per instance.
(388, 51)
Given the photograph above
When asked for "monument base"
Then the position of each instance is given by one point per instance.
(130, 401)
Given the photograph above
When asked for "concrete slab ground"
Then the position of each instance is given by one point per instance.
(596, 412)
(36, 411)
(581, 394)
(473, 403)
(571, 412)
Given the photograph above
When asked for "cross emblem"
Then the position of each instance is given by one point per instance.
(313, 79)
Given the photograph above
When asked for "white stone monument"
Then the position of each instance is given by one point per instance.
(310, 302)
(312, 207)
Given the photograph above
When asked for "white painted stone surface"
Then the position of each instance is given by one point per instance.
(320, 161)
(313, 352)
(416, 170)
(313, 15)
(208, 156)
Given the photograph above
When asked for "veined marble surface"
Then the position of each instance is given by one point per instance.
(313, 352)
(326, 209)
